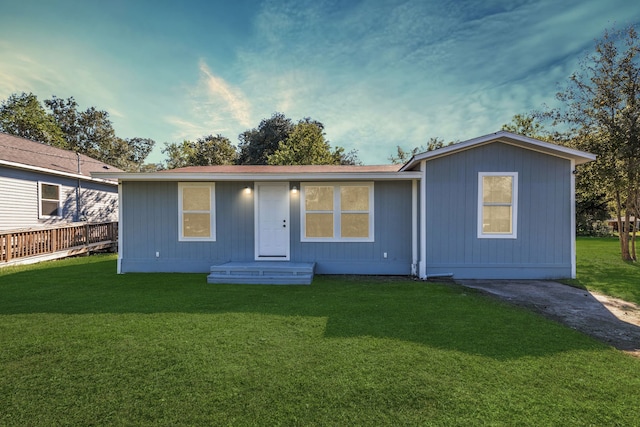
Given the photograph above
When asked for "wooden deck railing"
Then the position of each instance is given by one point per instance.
(73, 238)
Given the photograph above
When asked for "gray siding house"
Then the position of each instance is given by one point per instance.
(44, 185)
(498, 206)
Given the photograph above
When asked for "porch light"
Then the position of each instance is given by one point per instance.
(247, 190)
(294, 190)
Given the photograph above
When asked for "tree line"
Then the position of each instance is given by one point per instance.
(276, 141)
(59, 122)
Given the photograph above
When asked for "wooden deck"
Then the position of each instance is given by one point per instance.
(41, 244)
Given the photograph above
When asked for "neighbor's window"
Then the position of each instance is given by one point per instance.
(337, 212)
(49, 201)
(197, 211)
(497, 204)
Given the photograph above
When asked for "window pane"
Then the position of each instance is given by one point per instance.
(196, 198)
(50, 192)
(496, 189)
(318, 198)
(354, 198)
(196, 225)
(319, 225)
(354, 225)
(49, 208)
(496, 219)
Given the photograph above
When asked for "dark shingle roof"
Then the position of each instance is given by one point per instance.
(35, 154)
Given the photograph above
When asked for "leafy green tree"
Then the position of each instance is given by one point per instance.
(23, 115)
(305, 145)
(91, 132)
(602, 110)
(527, 125)
(256, 145)
(127, 154)
(206, 151)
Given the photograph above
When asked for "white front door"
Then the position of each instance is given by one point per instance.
(272, 220)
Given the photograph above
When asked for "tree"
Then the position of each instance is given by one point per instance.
(206, 151)
(127, 154)
(23, 115)
(346, 158)
(602, 110)
(403, 156)
(527, 125)
(305, 145)
(91, 132)
(256, 145)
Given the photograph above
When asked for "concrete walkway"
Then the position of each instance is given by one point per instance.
(579, 309)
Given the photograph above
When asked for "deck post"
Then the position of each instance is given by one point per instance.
(9, 239)
(52, 243)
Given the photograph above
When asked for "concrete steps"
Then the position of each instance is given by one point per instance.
(263, 273)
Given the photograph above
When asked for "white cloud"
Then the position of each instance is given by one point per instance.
(211, 106)
(224, 96)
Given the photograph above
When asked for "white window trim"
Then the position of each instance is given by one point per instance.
(40, 215)
(514, 207)
(212, 211)
(337, 212)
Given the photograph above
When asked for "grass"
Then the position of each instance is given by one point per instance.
(600, 268)
(80, 345)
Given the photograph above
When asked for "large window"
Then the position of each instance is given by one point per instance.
(49, 204)
(337, 212)
(497, 205)
(197, 211)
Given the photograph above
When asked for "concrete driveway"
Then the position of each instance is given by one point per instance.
(579, 309)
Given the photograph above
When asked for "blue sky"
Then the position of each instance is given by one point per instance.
(377, 73)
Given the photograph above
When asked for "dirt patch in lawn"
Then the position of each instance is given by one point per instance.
(611, 320)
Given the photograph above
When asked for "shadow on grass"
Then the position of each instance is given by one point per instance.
(443, 316)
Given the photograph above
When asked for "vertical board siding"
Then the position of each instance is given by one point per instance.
(392, 232)
(150, 225)
(19, 201)
(542, 248)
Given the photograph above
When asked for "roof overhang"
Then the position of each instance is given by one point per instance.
(580, 157)
(204, 176)
(101, 180)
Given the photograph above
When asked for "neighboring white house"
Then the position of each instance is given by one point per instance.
(44, 185)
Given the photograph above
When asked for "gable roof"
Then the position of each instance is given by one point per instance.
(267, 173)
(505, 137)
(22, 153)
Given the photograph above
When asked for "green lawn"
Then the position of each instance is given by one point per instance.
(600, 268)
(80, 345)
